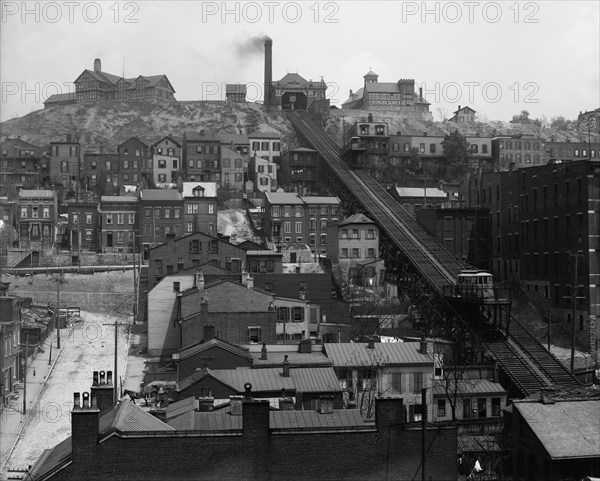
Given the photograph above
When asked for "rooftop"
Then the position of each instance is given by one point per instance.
(386, 353)
(356, 219)
(431, 192)
(160, 194)
(566, 429)
(36, 194)
(210, 188)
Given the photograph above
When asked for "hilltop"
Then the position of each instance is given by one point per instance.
(107, 124)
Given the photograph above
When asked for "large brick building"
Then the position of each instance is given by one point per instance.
(518, 151)
(300, 171)
(247, 441)
(65, 163)
(160, 215)
(38, 218)
(119, 223)
(542, 220)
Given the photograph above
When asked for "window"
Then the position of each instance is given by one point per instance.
(88, 235)
(344, 253)
(345, 377)
(495, 406)
(88, 218)
(147, 213)
(190, 227)
(417, 382)
(441, 408)
(158, 267)
(193, 208)
(195, 246)
(46, 212)
(120, 218)
(355, 234)
(298, 314)
(177, 211)
(35, 212)
(167, 212)
(356, 253)
(23, 212)
(370, 252)
(298, 227)
(323, 223)
(298, 211)
(287, 227)
(422, 148)
(254, 334)
(109, 218)
(162, 178)
(432, 148)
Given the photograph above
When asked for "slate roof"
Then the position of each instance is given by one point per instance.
(296, 359)
(356, 219)
(210, 188)
(264, 135)
(291, 78)
(160, 194)
(384, 353)
(566, 429)
(419, 192)
(36, 194)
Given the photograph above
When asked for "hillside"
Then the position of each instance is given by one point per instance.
(107, 124)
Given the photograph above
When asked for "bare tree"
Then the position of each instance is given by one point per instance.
(442, 112)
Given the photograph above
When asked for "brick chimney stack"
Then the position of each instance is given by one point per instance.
(286, 366)
(103, 390)
(84, 428)
(263, 352)
(97, 65)
(268, 71)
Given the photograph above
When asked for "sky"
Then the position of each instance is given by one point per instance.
(498, 57)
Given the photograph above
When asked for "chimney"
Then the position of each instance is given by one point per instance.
(351, 403)
(398, 133)
(101, 149)
(350, 93)
(389, 411)
(243, 277)
(459, 107)
(255, 418)
(420, 93)
(305, 346)
(285, 403)
(209, 332)
(199, 280)
(68, 138)
(205, 402)
(171, 241)
(103, 390)
(370, 118)
(371, 343)
(263, 352)
(250, 281)
(235, 405)
(548, 396)
(286, 367)
(326, 405)
(97, 65)
(84, 428)
(268, 71)
(423, 348)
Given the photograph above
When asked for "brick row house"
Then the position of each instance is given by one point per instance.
(83, 227)
(300, 170)
(38, 218)
(101, 173)
(292, 218)
(199, 207)
(161, 213)
(64, 165)
(166, 161)
(21, 165)
(119, 223)
(135, 163)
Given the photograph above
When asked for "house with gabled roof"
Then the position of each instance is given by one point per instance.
(387, 369)
(463, 114)
(97, 86)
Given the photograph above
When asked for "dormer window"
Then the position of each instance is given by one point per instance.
(198, 192)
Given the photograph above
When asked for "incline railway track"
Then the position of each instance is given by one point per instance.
(528, 365)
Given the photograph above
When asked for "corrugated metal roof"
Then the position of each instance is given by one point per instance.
(386, 353)
(52, 458)
(321, 200)
(419, 192)
(284, 198)
(210, 188)
(160, 194)
(567, 429)
(118, 198)
(294, 358)
(36, 194)
(472, 386)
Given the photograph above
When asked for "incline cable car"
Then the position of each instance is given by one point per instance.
(475, 283)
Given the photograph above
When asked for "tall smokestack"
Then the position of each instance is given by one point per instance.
(268, 70)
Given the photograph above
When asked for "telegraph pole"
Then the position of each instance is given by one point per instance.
(25, 375)
(116, 325)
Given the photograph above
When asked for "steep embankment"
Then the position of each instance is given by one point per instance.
(108, 124)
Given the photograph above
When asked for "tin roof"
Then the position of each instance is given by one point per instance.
(265, 135)
(238, 351)
(118, 198)
(321, 200)
(356, 219)
(386, 353)
(284, 198)
(566, 429)
(471, 386)
(160, 194)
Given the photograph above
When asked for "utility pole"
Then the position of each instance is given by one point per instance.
(134, 283)
(59, 280)
(25, 375)
(423, 433)
(116, 325)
